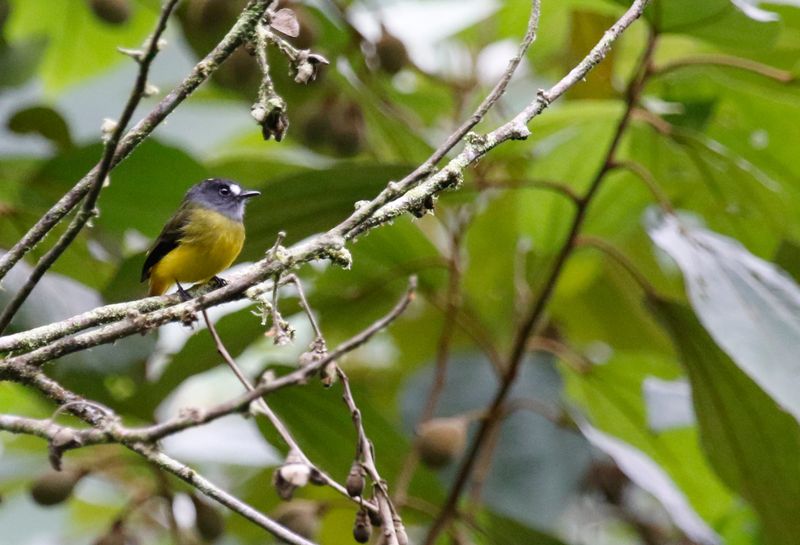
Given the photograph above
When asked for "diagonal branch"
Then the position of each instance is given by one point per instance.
(237, 35)
(430, 163)
(96, 180)
(331, 244)
(262, 407)
(535, 314)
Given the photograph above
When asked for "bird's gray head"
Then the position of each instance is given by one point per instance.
(223, 196)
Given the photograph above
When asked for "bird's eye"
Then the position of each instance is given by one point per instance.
(224, 191)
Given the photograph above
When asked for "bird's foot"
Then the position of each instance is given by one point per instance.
(182, 293)
(218, 282)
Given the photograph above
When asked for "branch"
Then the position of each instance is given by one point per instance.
(96, 180)
(393, 190)
(416, 199)
(201, 72)
(193, 478)
(107, 429)
(112, 433)
(331, 245)
(392, 525)
(54, 433)
(263, 408)
(536, 312)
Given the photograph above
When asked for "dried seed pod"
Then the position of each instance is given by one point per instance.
(208, 520)
(391, 52)
(300, 516)
(441, 440)
(113, 12)
(375, 518)
(361, 527)
(355, 480)
(54, 487)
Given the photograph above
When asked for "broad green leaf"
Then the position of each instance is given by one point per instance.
(79, 44)
(749, 306)
(749, 439)
(312, 201)
(44, 121)
(146, 189)
(720, 22)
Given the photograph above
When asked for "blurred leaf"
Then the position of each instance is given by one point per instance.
(749, 306)
(54, 298)
(79, 45)
(19, 62)
(312, 201)
(646, 473)
(44, 121)
(147, 188)
(717, 21)
(498, 529)
(611, 394)
(751, 441)
(532, 453)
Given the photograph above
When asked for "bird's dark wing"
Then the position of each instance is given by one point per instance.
(167, 241)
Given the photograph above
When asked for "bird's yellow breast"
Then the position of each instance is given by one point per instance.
(210, 243)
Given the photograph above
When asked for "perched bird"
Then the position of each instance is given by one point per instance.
(201, 239)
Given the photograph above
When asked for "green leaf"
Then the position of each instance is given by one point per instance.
(44, 121)
(312, 201)
(750, 440)
(499, 529)
(79, 44)
(147, 188)
(749, 306)
(716, 21)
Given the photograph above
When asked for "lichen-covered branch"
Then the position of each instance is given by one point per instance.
(237, 35)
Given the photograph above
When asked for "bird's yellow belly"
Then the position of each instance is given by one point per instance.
(210, 245)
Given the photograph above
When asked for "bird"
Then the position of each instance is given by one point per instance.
(202, 238)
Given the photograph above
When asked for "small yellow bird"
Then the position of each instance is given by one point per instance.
(201, 239)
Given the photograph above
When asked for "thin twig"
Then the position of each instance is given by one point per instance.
(650, 181)
(348, 227)
(87, 211)
(263, 408)
(238, 33)
(388, 512)
(534, 317)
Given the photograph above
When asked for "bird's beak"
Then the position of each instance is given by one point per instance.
(248, 194)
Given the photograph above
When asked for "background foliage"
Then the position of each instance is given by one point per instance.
(678, 413)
